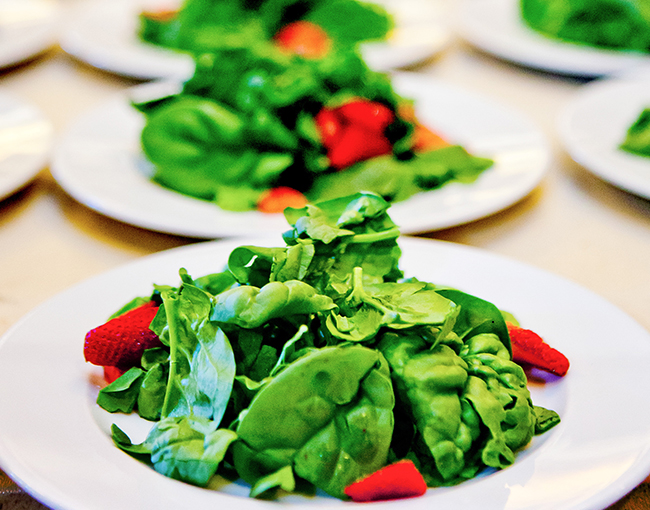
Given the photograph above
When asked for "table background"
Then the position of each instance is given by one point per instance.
(573, 224)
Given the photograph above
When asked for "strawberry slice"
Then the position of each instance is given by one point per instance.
(113, 373)
(427, 140)
(398, 480)
(276, 200)
(358, 144)
(330, 127)
(371, 115)
(304, 38)
(529, 348)
(121, 341)
(161, 15)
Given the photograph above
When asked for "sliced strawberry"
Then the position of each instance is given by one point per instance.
(399, 480)
(113, 373)
(121, 341)
(276, 200)
(330, 127)
(427, 140)
(529, 348)
(358, 144)
(305, 39)
(369, 114)
(161, 15)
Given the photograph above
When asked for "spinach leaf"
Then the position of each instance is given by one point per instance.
(328, 414)
(637, 139)
(351, 22)
(470, 408)
(134, 303)
(398, 179)
(152, 391)
(216, 283)
(185, 448)
(394, 305)
(250, 307)
(545, 419)
(283, 478)
(202, 367)
(345, 216)
(429, 384)
(349, 232)
(477, 316)
(122, 394)
(256, 266)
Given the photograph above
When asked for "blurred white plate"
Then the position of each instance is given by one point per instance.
(495, 26)
(594, 124)
(27, 28)
(99, 162)
(103, 33)
(25, 140)
(55, 442)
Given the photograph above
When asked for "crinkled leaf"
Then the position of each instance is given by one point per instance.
(185, 448)
(250, 307)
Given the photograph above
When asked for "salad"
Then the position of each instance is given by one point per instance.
(637, 140)
(611, 24)
(204, 24)
(282, 110)
(317, 365)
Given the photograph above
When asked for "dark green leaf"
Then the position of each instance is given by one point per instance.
(122, 394)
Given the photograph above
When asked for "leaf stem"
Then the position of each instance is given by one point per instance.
(170, 300)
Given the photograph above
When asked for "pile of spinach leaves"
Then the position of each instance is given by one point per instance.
(245, 122)
(316, 363)
(637, 139)
(201, 25)
(611, 24)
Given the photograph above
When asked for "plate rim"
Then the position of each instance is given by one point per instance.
(557, 56)
(36, 162)
(593, 94)
(46, 41)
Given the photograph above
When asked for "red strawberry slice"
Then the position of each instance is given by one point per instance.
(113, 373)
(121, 341)
(329, 126)
(305, 39)
(369, 114)
(399, 480)
(276, 200)
(529, 348)
(358, 144)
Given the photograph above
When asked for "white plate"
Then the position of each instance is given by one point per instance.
(594, 124)
(495, 26)
(27, 28)
(54, 440)
(99, 163)
(103, 33)
(25, 140)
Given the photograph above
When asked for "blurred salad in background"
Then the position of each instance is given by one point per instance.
(200, 25)
(637, 139)
(612, 24)
(317, 364)
(282, 110)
